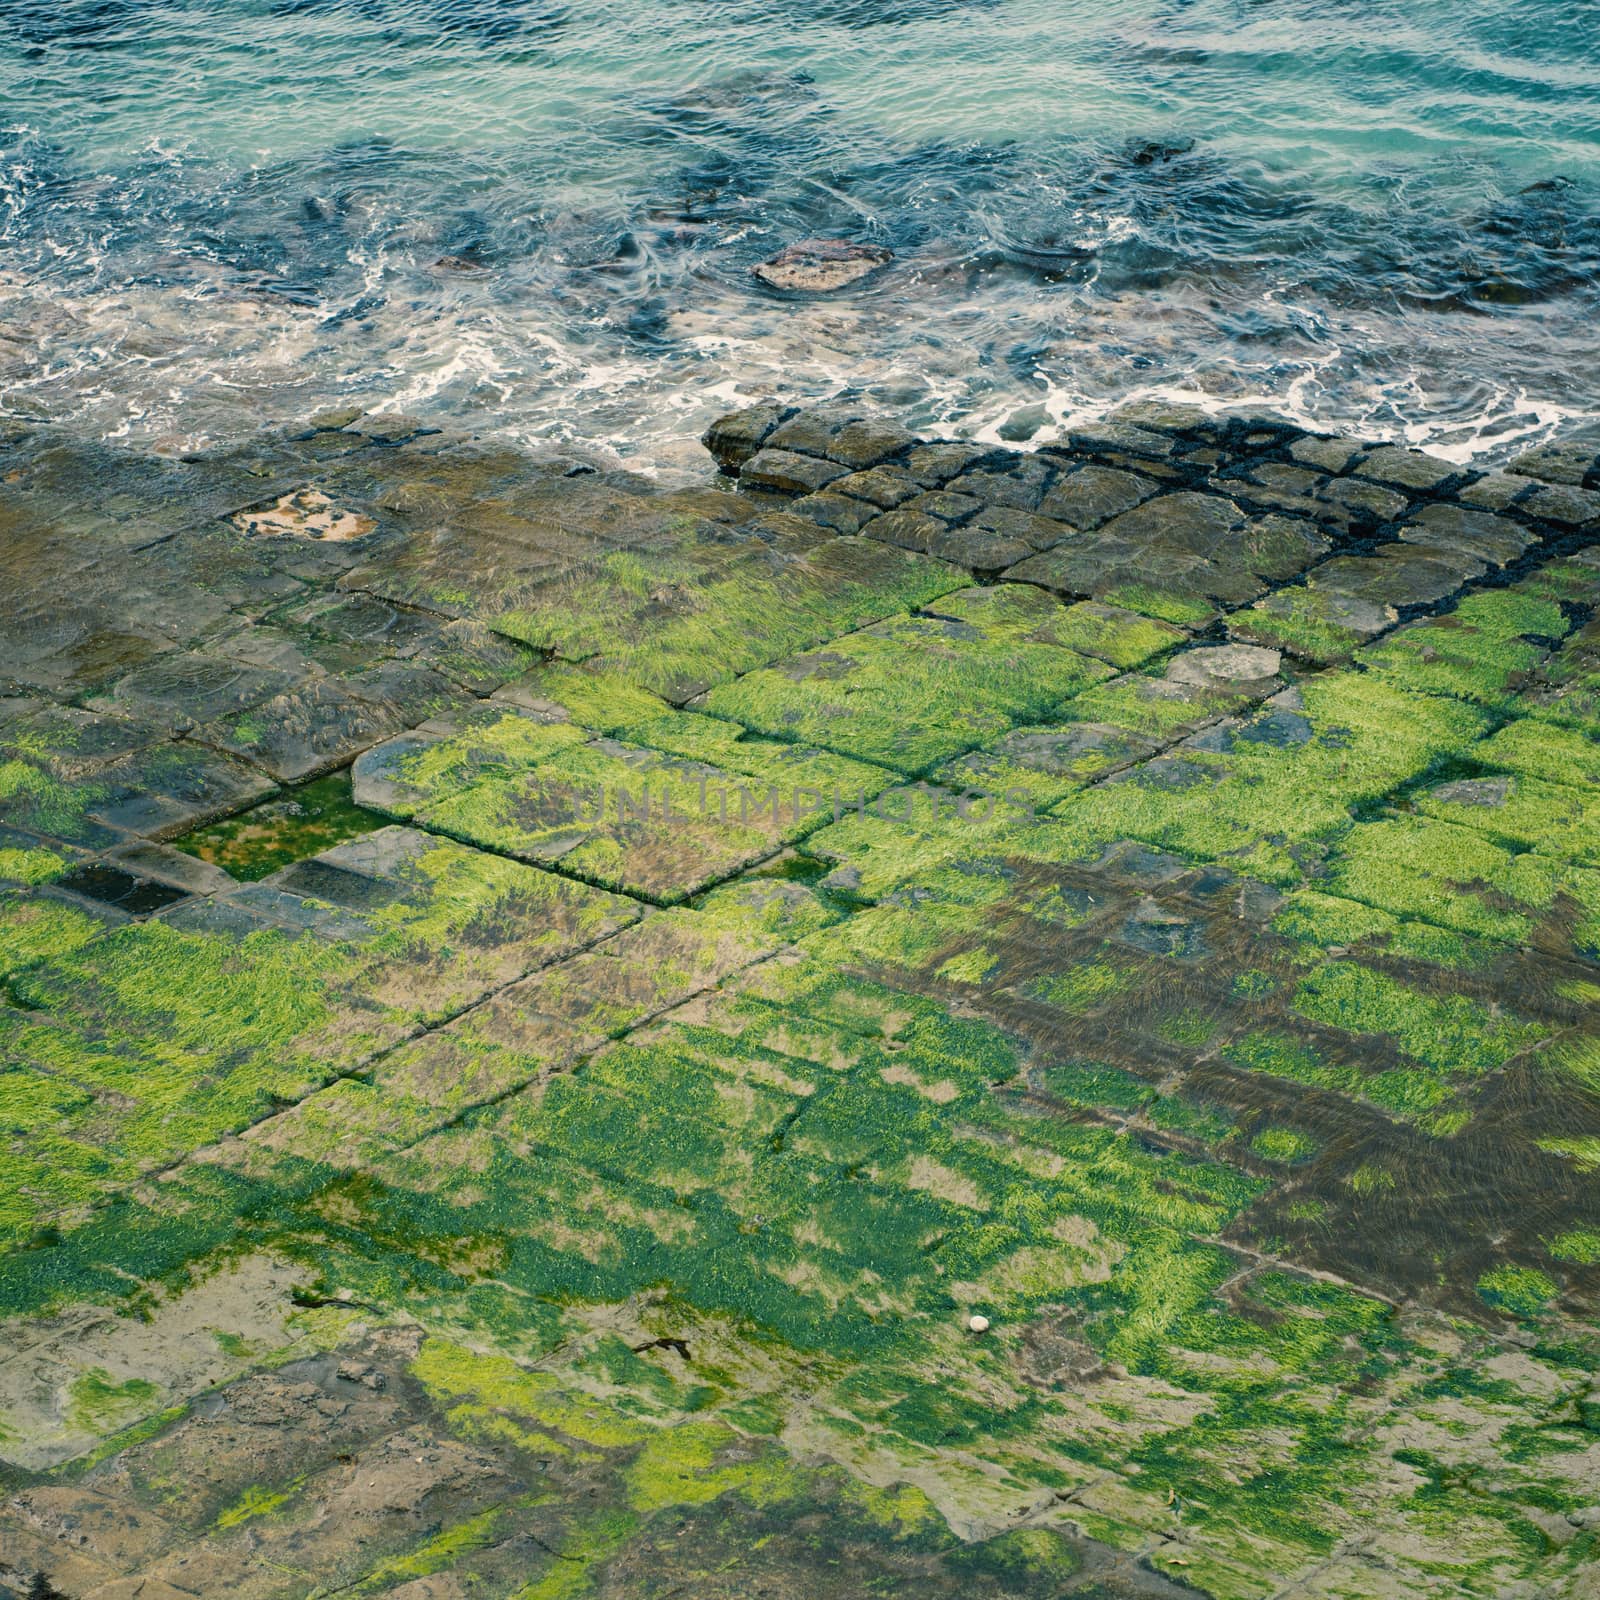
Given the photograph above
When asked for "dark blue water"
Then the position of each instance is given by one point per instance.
(1381, 215)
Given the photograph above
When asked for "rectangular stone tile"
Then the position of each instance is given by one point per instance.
(70, 743)
(183, 688)
(1320, 626)
(1341, 505)
(1116, 724)
(1552, 819)
(1180, 557)
(914, 691)
(1266, 792)
(1090, 495)
(1460, 879)
(1484, 650)
(165, 790)
(849, 435)
(1496, 541)
(678, 623)
(1397, 575)
(663, 822)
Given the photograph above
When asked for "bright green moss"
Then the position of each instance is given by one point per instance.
(1283, 1144)
(1122, 639)
(910, 693)
(1554, 819)
(41, 930)
(1304, 622)
(100, 1403)
(1477, 652)
(1090, 1084)
(30, 866)
(1535, 748)
(257, 1501)
(32, 798)
(1449, 1034)
(680, 1466)
(1267, 794)
(1182, 609)
(1581, 1245)
(1320, 922)
(1521, 1291)
(677, 621)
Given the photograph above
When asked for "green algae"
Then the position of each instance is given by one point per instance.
(1306, 623)
(1121, 639)
(34, 799)
(30, 865)
(1522, 813)
(1403, 1091)
(99, 1403)
(1179, 609)
(1580, 1245)
(257, 1501)
(683, 1466)
(37, 930)
(811, 1119)
(913, 692)
(1457, 878)
(308, 820)
(170, 1039)
(1536, 748)
(1283, 1144)
(455, 1375)
(1481, 652)
(663, 821)
(676, 622)
(1450, 1034)
(1520, 1291)
(1262, 803)
(1321, 923)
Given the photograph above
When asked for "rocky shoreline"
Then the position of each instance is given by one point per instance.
(427, 1180)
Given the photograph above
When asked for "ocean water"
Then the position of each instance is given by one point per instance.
(540, 215)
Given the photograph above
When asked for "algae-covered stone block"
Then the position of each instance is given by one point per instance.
(164, 790)
(913, 691)
(1554, 819)
(787, 472)
(1322, 626)
(1484, 650)
(733, 439)
(1179, 557)
(664, 817)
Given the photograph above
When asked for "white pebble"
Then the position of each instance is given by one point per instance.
(978, 1324)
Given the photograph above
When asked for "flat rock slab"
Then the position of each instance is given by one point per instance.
(925, 1017)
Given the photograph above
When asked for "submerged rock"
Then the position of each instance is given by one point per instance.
(821, 266)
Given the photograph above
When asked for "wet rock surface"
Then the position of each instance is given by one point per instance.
(821, 266)
(535, 1011)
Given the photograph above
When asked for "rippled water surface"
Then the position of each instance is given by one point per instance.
(1380, 214)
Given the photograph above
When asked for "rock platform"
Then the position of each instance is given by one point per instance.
(538, 1009)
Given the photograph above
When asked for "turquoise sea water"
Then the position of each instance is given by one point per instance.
(1383, 215)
